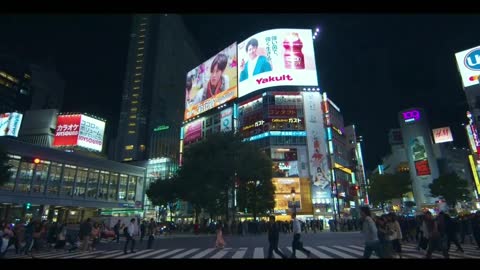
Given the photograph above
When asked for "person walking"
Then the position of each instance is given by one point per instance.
(219, 242)
(370, 234)
(131, 232)
(152, 227)
(433, 234)
(273, 237)
(297, 244)
(116, 230)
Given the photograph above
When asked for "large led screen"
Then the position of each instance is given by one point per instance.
(10, 124)
(276, 57)
(212, 83)
(79, 130)
(91, 133)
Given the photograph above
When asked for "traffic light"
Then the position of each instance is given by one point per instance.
(28, 205)
(36, 160)
(354, 190)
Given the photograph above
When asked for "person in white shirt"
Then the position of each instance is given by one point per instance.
(131, 232)
(369, 231)
(297, 244)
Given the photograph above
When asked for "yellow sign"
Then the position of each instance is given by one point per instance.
(474, 172)
(347, 170)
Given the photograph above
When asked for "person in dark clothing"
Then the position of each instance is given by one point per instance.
(476, 228)
(273, 236)
(152, 227)
(143, 229)
(116, 230)
(451, 231)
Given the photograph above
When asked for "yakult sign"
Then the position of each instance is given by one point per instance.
(79, 130)
(274, 58)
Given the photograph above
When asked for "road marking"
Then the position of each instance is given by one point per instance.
(111, 255)
(168, 253)
(258, 253)
(203, 253)
(128, 255)
(155, 252)
(183, 254)
(240, 253)
(356, 252)
(299, 254)
(82, 256)
(221, 253)
(319, 254)
(339, 253)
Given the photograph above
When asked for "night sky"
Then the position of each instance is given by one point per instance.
(371, 65)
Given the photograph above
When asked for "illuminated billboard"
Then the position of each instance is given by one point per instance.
(468, 63)
(10, 124)
(441, 135)
(212, 83)
(419, 155)
(79, 130)
(226, 120)
(192, 131)
(276, 57)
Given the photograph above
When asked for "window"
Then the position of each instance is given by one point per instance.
(132, 186)
(92, 188)
(131, 132)
(137, 81)
(134, 101)
(135, 95)
(138, 74)
(138, 67)
(54, 178)
(68, 178)
(131, 124)
(40, 178)
(136, 87)
(14, 163)
(142, 35)
(129, 147)
(142, 30)
(141, 42)
(26, 174)
(133, 116)
(122, 192)
(140, 54)
(134, 109)
(81, 182)
(103, 185)
(143, 24)
(128, 159)
(141, 48)
(112, 188)
(142, 147)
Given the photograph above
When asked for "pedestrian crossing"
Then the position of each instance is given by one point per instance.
(409, 251)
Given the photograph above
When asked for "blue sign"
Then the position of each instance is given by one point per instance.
(472, 60)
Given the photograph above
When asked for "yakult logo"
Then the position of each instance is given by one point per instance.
(410, 116)
(472, 60)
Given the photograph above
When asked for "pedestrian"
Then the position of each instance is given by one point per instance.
(85, 234)
(273, 237)
(152, 227)
(476, 228)
(116, 230)
(370, 234)
(131, 232)
(452, 229)
(297, 244)
(432, 233)
(143, 230)
(219, 242)
(397, 235)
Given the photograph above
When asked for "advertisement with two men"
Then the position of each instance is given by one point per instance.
(212, 83)
(274, 58)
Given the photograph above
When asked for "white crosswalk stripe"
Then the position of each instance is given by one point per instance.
(240, 253)
(409, 251)
(339, 253)
(374, 256)
(258, 253)
(203, 253)
(183, 254)
(221, 253)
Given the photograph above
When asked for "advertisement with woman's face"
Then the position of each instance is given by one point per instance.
(276, 57)
(212, 83)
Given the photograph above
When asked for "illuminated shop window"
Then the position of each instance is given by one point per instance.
(137, 81)
(142, 147)
(140, 48)
(140, 54)
(138, 74)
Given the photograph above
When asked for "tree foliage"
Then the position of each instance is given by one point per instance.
(5, 173)
(385, 187)
(451, 187)
(212, 168)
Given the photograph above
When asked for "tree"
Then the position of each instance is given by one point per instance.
(385, 187)
(163, 192)
(451, 187)
(5, 172)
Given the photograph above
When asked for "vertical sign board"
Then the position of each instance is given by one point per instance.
(316, 145)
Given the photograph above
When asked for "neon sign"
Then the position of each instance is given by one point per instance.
(411, 116)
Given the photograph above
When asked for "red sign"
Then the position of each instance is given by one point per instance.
(422, 167)
(279, 111)
(68, 127)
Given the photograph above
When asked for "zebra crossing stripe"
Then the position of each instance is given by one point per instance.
(350, 250)
(240, 253)
(53, 255)
(319, 254)
(82, 256)
(128, 255)
(183, 254)
(258, 253)
(221, 253)
(168, 253)
(373, 256)
(299, 254)
(339, 253)
(203, 253)
(453, 256)
(150, 254)
(111, 255)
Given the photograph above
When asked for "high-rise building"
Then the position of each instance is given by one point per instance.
(48, 87)
(161, 52)
(15, 89)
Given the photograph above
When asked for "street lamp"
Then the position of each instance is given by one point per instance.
(293, 201)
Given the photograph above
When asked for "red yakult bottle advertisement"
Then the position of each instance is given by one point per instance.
(293, 55)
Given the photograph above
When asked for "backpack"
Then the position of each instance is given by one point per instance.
(125, 230)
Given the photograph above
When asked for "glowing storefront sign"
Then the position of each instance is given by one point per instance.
(277, 134)
(411, 116)
(474, 172)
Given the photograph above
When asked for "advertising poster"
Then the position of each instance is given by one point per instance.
(10, 124)
(91, 133)
(274, 58)
(226, 120)
(68, 127)
(316, 145)
(212, 83)
(419, 154)
(441, 135)
(192, 131)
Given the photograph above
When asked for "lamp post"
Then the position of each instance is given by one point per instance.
(293, 201)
